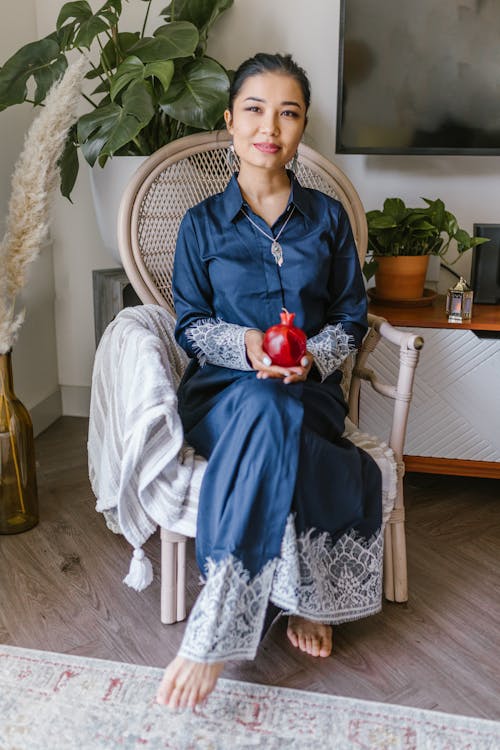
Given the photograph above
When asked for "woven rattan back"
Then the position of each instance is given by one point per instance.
(182, 174)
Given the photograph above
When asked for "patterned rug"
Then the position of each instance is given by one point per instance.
(53, 701)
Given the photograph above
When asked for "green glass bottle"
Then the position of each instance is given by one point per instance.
(18, 490)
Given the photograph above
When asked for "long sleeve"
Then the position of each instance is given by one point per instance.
(348, 303)
(198, 331)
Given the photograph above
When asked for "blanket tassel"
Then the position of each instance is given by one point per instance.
(140, 573)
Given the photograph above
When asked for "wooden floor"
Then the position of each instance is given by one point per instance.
(61, 590)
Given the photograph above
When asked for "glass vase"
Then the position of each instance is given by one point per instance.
(18, 491)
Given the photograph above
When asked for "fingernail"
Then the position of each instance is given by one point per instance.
(266, 361)
(304, 361)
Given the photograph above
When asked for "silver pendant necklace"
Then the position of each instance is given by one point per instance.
(276, 249)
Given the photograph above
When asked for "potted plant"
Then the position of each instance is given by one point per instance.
(143, 91)
(400, 241)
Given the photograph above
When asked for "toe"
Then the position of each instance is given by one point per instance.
(292, 637)
(315, 647)
(326, 645)
(165, 689)
(174, 698)
(192, 697)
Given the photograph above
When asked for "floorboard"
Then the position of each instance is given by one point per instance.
(61, 589)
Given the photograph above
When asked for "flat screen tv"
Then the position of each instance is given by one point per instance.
(419, 77)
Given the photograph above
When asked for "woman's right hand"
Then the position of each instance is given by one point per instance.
(261, 361)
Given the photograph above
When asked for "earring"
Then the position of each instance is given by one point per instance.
(295, 162)
(231, 157)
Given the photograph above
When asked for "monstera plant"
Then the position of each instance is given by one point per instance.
(142, 92)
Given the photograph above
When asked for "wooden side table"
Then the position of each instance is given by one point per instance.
(454, 424)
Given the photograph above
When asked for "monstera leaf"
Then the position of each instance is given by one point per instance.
(133, 69)
(43, 60)
(85, 25)
(200, 12)
(109, 128)
(198, 95)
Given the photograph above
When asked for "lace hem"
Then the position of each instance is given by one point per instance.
(314, 578)
(227, 618)
(330, 347)
(329, 582)
(219, 343)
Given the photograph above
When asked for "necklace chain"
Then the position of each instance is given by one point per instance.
(276, 248)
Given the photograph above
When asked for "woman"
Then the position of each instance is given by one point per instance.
(290, 512)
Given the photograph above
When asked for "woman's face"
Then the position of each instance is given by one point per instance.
(267, 121)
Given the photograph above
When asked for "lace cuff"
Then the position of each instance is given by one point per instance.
(219, 343)
(330, 347)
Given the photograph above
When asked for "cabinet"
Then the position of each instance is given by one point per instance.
(454, 422)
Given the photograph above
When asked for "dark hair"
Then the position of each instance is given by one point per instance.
(263, 62)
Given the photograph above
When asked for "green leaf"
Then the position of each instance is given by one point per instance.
(395, 208)
(114, 52)
(198, 94)
(86, 25)
(463, 239)
(68, 164)
(451, 224)
(370, 268)
(381, 222)
(203, 13)
(425, 226)
(132, 69)
(181, 42)
(42, 60)
(163, 71)
(437, 213)
(182, 38)
(107, 129)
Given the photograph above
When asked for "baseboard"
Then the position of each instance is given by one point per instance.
(75, 400)
(46, 412)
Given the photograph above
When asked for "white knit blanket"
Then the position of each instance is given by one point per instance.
(142, 472)
(139, 465)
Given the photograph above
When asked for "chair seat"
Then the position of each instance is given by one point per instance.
(378, 450)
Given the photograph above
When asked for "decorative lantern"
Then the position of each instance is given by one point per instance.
(459, 302)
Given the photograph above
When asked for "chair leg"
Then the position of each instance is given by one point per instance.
(173, 577)
(388, 564)
(181, 580)
(399, 561)
(395, 563)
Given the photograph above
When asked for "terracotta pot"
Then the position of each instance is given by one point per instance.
(401, 277)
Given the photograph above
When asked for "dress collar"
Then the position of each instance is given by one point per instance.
(233, 200)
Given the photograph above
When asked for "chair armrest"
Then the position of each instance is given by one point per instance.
(409, 346)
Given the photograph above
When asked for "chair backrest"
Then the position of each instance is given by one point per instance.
(182, 174)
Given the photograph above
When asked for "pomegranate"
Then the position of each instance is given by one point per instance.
(285, 343)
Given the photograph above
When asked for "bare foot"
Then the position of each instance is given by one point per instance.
(186, 683)
(311, 637)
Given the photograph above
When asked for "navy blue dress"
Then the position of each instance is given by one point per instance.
(282, 486)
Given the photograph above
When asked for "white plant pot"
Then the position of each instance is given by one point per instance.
(107, 185)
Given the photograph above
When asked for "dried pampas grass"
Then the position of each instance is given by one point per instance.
(35, 177)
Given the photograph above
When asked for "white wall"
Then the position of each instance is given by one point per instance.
(34, 358)
(470, 186)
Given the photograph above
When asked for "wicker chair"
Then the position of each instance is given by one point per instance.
(169, 182)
